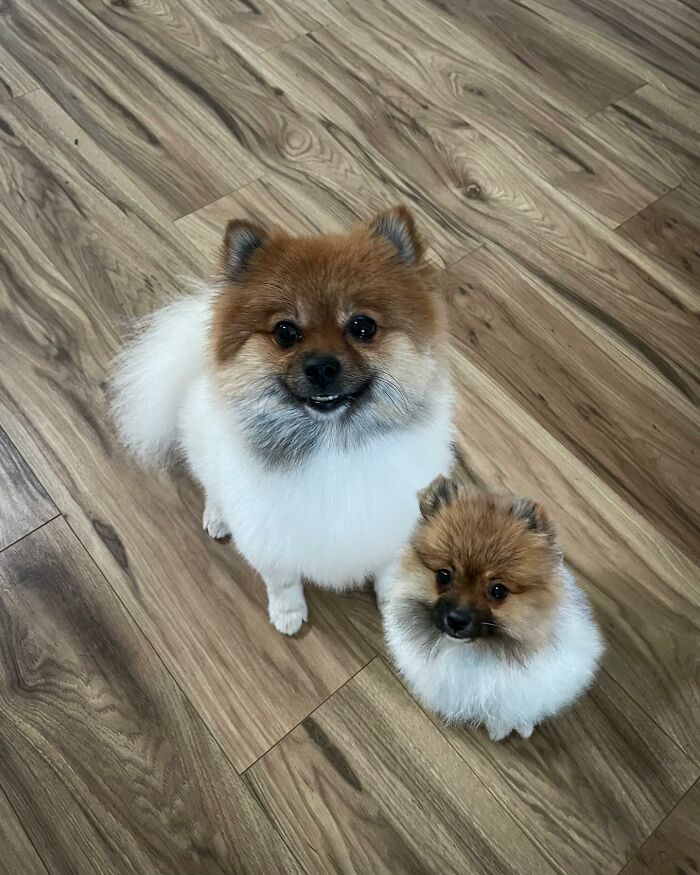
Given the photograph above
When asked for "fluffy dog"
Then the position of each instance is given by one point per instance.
(308, 391)
(481, 616)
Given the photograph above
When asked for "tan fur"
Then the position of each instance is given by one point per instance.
(481, 540)
(319, 283)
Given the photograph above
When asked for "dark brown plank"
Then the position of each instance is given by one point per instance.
(25, 504)
(532, 339)
(645, 591)
(570, 71)
(18, 856)
(674, 847)
(587, 787)
(130, 778)
(368, 784)
(198, 603)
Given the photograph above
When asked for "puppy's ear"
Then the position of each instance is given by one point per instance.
(398, 227)
(241, 240)
(535, 517)
(439, 494)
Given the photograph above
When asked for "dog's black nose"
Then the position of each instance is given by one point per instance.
(321, 370)
(461, 623)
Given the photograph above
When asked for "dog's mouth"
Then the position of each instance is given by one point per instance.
(330, 402)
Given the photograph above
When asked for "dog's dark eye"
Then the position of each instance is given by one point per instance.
(362, 328)
(498, 591)
(443, 577)
(287, 334)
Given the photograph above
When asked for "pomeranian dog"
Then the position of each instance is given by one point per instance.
(308, 391)
(483, 619)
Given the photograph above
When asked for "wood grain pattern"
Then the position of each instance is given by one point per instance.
(14, 79)
(669, 230)
(89, 715)
(345, 784)
(530, 339)
(601, 775)
(18, 854)
(674, 847)
(203, 610)
(25, 504)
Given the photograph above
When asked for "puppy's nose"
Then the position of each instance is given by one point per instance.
(321, 370)
(461, 623)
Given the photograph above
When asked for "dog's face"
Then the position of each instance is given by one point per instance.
(481, 569)
(327, 337)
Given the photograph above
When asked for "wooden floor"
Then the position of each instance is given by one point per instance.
(151, 720)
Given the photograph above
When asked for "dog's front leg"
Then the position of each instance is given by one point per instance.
(286, 603)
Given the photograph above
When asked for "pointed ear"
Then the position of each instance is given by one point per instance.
(534, 516)
(241, 240)
(440, 493)
(398, 228)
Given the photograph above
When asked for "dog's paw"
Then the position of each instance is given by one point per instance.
(288, 620)
(497, 731)
(526, 729)
(214, 524)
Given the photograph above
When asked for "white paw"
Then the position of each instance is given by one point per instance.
(287, 620)
(526, 730)
(497, 731)
(213, 523)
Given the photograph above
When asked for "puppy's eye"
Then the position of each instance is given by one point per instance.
(443, 577)
(498, 590)
(362, 328)
(287, 334)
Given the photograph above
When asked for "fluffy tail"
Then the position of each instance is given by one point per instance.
(153, 372)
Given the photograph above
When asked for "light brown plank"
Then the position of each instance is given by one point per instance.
(18, 856)
(568, 70)
(198, 603)
(674, 847)
(103, 758)
(368, 784)
(587, 787)
(14, 79)
(407, 62)
(145, 117)
(669, 230)
(645, 591)
(24, 504)
(531, 338)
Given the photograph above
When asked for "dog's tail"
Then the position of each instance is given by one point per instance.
(153, 372)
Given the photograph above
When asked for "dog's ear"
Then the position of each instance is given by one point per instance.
(439, 494)
(535, 517)
(241, 240)
(398, 227)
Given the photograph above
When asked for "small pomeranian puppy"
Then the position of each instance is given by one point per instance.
(308, 391)
(483, 619)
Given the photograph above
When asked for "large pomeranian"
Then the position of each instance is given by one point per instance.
(481, 616)
(308, 391)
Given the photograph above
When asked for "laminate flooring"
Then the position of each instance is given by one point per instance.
(151, 719)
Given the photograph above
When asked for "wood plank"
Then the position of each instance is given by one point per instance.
(674, 847)
(669, 230)
(25, 504)
(653, 40)
(407, 62)
(148, 119)
(362, 785)
(130, 778)
(645, 591)
(569, 71)
(573, 379)
(14, 79)
(18, 855)
(602, 775)
(198, 603)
